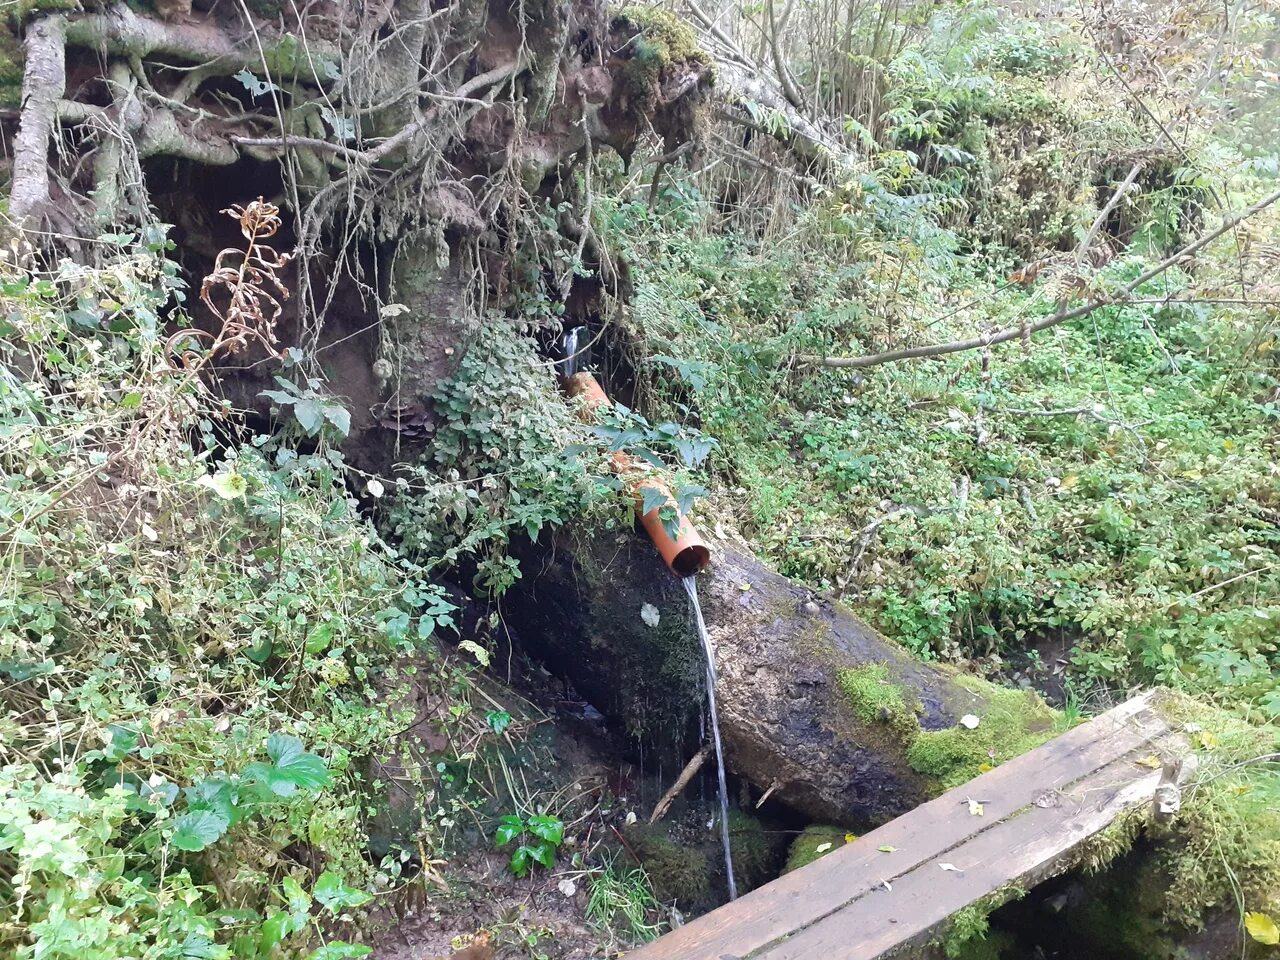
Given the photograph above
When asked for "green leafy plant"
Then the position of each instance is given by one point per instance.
(537, 839)
(620, 897)
(197, 644)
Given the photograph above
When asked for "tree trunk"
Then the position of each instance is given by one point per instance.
(838, 721)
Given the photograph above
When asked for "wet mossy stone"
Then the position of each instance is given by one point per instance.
(815, 840)
(680, 874)
(758, 852)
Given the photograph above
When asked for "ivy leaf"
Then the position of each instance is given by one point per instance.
(1262, 928)
(694, 451)
(686, 496)
(335, 896)
(498, 720)
(344, 128)
(255, 86)
(509, 827)
(550, 829)
(196, 830)
(652, 498)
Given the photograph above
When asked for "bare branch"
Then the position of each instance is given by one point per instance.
(402, 136)
(1083, 250)
(1003, 336)
(682, 781)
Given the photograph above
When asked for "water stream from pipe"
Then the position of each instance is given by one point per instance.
(691, 587)
(570, 343)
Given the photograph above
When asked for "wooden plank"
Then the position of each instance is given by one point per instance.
(804, 896)
(1026, 849)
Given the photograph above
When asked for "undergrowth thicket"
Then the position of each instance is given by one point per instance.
(1105, 491)
(194, 643)
(1111, 486)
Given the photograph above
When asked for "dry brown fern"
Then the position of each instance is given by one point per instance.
(247, 283)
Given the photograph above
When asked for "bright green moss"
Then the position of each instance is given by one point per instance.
(678, 873)
(757, 853)
(994, 945)
(872, 695)
(21, 11)
(967, 936)
(667, 38)
(816, 840)
(11, 63)
(1010, 723)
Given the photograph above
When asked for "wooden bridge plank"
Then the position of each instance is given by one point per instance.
(1027, 849)
(799, 899)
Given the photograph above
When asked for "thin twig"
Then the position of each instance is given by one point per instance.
(1094, 303)
(690, 770)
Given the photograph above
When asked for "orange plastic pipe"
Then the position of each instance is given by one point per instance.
(685, 554)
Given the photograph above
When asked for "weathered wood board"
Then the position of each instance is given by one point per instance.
(862, 903)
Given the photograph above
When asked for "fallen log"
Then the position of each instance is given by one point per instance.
(843, 724)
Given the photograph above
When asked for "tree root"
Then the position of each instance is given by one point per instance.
(43, 83)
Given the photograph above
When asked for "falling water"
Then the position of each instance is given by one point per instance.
(691, 587)
(569, 344)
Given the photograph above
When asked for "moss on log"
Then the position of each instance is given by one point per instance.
(843, 724)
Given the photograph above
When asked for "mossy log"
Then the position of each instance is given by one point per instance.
(836, 720)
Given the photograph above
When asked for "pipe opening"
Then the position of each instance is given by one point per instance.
(692, 559)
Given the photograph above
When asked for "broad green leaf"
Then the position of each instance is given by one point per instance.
(550, 829)
(298, 899)
(320, 636)
(520, 860)
(196, 830)
(216, 794)
(1262, 928)
(339, 416)
(498, 720)
(335, 895)
(509, 827)
(293, 765)
(544, 853)
(274, 929)
(198, 947)
(310, 414)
